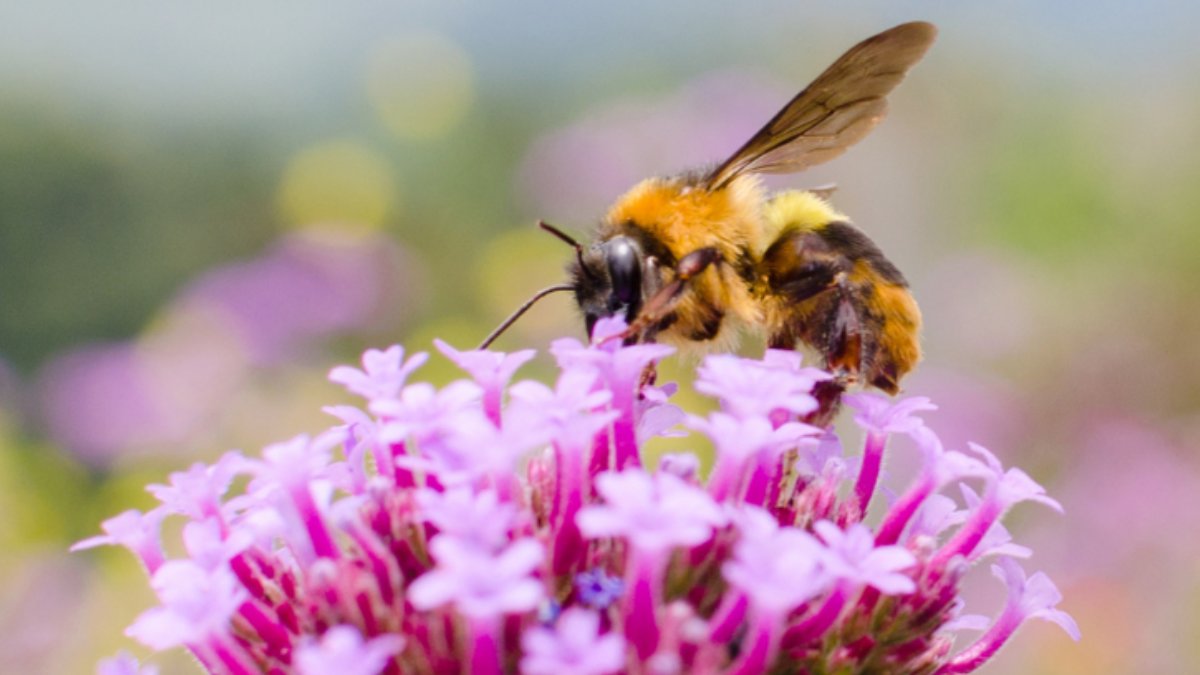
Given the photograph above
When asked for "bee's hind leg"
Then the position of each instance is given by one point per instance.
(841, 344)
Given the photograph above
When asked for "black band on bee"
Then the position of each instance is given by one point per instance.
(852, 243)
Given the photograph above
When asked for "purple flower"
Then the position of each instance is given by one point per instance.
(751, 389)
(297, 471)
(741, 439)
(478, 582)
(620, 369)
(575, 645)
(683, 465)
(880, 414)
(124, 663)
(491, 371)
(748, 450)
(778, 568)
(473, 518)
(1005, 489)
(597, 589)
(853, 556)
(136, 531)
(937, 514)
(997, 540)
(1035, 597)
(424, 416)
(572, 412)
(653, 512)
(383, 373)
(342, 651)
(196, 605)
(197, 492)
(482, 525)
(210, 547)
(880, 418)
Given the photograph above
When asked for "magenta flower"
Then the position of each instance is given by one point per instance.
(489, 526)
(342, 651)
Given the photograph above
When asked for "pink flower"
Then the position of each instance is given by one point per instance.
(196, 605)
(343, 651)
(575, 645)
(124, 663)
(853, 556)
(778, 568)
(654, 513)
(483, 524)
(480, 583)
(383, 373)
(1035, 597)
(136, 531)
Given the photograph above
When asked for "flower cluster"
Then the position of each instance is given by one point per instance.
(486, 527)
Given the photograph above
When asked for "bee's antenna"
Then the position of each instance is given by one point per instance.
(570, 241)
(512, 318)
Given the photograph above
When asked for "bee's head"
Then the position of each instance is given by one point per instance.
(608, 280)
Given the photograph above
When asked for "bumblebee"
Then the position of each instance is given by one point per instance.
(708, 255)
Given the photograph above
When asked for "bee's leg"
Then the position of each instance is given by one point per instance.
(845, 347)
(661, 303)
(649, 377)
(829, 402)
(843, 356)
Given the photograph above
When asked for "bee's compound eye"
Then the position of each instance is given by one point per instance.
(625, 270)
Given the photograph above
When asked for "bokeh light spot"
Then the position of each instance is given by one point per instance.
(421, 85)
(341, 183)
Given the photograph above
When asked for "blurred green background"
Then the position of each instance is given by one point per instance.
(203, 207)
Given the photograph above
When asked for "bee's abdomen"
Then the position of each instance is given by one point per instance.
(829, 286)
(850, 242)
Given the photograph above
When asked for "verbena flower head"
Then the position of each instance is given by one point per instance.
(495, 526)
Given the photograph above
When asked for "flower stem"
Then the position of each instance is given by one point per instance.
(641, 623)
(818, 622)
(868, 473)
(485, 646)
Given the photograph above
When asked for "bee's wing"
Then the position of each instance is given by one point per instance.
(834, 112)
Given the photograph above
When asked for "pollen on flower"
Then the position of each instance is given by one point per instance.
(494, 526)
